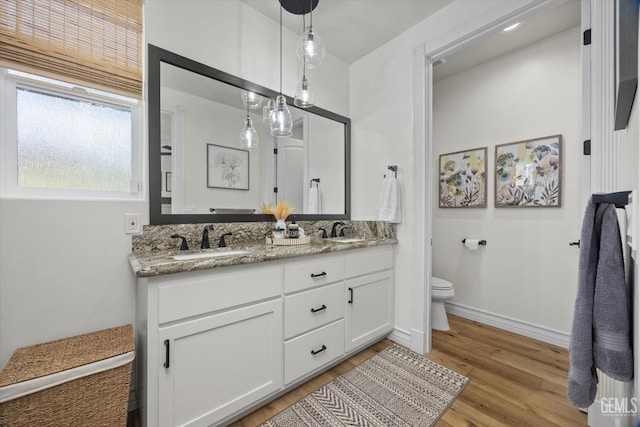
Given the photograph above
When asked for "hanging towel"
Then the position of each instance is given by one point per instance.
(314, 201)
(389, 207)
(600, 335)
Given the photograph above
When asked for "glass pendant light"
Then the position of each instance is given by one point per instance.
(248, 135)
(311, 46)
(267, 110)
(304, 97)
(251, 99)
(280, 119)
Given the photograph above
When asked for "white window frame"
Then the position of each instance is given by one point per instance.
(9, 188)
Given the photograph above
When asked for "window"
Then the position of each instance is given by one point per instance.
(61, 140)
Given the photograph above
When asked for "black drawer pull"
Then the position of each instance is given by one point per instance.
(315, 310)
(166, 355)
(313, 276)
(324, 347)
(350, 296)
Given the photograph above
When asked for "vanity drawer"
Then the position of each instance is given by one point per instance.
(308, 310)
(327, 343)
(368, 260)
(196, 293)
(322, 271)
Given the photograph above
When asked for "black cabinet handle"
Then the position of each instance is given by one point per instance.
(315, 310)
(350, 296)
(313, 276)
(166, 354)
(324, 347)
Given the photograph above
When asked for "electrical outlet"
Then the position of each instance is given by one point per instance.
(132, 223)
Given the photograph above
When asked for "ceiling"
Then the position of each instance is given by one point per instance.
(352, 29)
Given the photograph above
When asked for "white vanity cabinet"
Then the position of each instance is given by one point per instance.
(214, 344)
(369, 295)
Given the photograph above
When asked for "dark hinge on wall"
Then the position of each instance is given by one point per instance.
(275, 151)
(586, 147)
(586, 37)
(275, 189)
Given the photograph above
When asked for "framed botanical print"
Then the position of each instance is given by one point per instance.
(462, 179)
(529, 173)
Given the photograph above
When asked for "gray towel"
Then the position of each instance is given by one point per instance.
(612, 352)
(600, 336)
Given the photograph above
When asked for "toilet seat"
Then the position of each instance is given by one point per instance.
(440, 284)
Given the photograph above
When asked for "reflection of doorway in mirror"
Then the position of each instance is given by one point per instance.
(290, 167)
(166, 147)
(172, 158)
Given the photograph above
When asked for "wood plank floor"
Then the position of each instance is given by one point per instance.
(515, 381)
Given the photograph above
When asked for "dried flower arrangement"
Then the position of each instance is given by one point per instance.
(281, 211)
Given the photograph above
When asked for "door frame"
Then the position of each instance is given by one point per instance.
(424, 56)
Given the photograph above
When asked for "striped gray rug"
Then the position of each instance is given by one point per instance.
(396, 387)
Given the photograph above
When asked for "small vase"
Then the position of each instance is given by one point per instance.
(280, 224)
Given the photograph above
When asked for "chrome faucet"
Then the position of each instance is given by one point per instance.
(334, 231)
(205, 236)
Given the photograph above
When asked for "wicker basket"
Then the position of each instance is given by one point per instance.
(78, 381)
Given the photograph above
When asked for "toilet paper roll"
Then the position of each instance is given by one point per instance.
(472, 244)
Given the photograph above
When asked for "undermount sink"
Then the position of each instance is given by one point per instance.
(347, 239)
(187, 257)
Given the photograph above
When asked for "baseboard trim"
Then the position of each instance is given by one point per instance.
(401, 337)
(531, 330)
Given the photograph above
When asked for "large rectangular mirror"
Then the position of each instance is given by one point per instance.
(198, 172)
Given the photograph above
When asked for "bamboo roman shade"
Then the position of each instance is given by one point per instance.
(96, 43)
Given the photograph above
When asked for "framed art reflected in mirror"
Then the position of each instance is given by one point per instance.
(227, 167)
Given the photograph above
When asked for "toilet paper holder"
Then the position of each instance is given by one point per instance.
(481, 242)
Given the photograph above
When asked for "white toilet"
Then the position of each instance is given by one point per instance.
(441, 291)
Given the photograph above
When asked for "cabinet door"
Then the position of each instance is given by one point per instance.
(369, 308)
(219, 364)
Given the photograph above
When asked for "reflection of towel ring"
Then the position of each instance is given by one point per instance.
(317, 181)
(394, 169)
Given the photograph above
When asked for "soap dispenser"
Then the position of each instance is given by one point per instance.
(294, 230)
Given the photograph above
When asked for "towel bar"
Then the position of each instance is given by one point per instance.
(620, 199)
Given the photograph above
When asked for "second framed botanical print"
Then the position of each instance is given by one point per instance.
(529, 173)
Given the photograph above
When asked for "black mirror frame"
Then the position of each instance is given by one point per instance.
(155, 56)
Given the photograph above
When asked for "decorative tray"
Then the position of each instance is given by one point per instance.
(305, 240)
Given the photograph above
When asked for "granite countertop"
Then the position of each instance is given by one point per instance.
(160, 263)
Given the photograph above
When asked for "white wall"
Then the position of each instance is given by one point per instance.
(381, 98)
(63, 270)
(527, 271)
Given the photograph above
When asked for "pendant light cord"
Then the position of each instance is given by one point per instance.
(304, 56)
(280, 50)
(311, 13)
